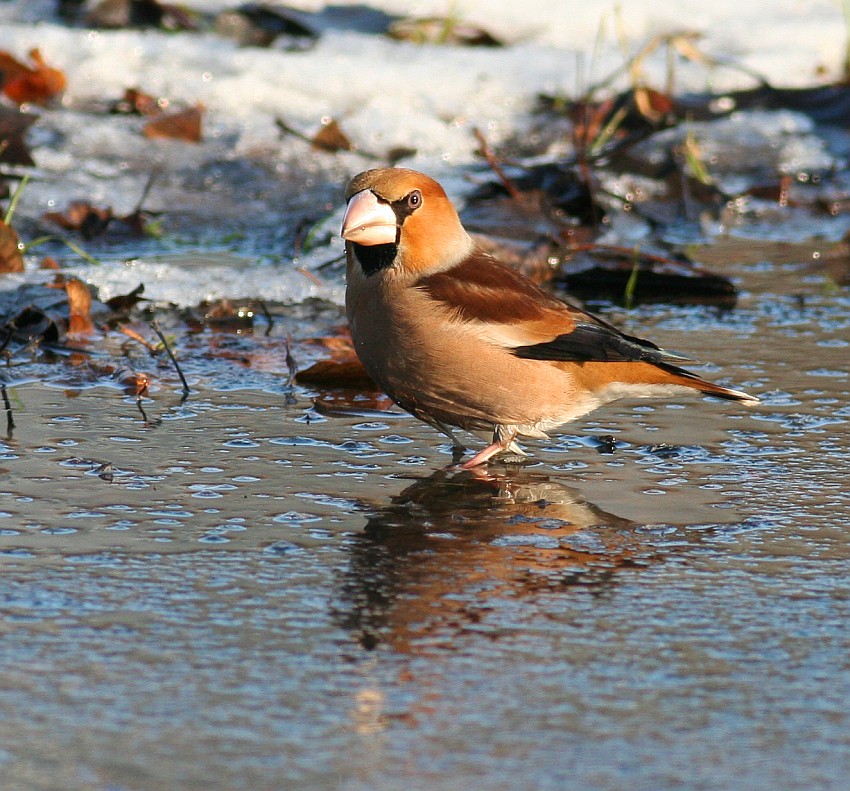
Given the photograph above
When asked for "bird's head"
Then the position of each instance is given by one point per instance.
(402, 219)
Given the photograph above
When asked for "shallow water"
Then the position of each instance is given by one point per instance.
(244, 591)
(265, 598)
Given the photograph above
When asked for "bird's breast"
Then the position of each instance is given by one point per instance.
(432, 363)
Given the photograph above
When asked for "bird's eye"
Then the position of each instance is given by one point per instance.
(414, 200)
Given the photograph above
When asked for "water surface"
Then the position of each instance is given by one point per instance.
(255, 596)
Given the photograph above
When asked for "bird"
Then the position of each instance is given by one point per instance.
(461, 340)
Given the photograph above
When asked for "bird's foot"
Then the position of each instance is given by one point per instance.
(512, 454)
(457, 454)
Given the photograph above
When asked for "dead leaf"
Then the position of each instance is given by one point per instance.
(11, 259)
(258, 25)
(13, 127)
(91, 221)
(653, 105)
(81, 216)
(126, 302)
(330, 137)
(332, 373)
(35, 84)
(181, 125)
(141, 13)
(79, 307)
(136, 102)
(10, 67)
(343, 369)
(153, 348)
(134, 383)
(442, 30)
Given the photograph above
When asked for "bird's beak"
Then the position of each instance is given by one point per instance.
(369, 221)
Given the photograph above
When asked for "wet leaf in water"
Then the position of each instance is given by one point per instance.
(342, 367)
(632, 276)
(126, 302)
(225, 315)
(336, 373)
(79, 307)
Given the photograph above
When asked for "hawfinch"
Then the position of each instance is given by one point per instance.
(457, 338)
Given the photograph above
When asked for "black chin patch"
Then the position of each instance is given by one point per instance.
(374, 257)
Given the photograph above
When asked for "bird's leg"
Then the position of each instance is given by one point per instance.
(504, 439)
(458, 448)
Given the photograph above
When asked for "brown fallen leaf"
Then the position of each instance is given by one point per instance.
(134, 383)
(140, 13)
(79, 307)
(81, 216)
(11, 258)
(35, 84)
(330, 137)
(343, 369)
(442, 30)
(13, 127)
(259, 24)
(126, 302)
(181, 125)
(130, 332)
(349, 374)
(136, 102)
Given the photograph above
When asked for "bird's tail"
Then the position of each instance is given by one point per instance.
(688, 379)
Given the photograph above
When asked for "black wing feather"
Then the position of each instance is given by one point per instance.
(594, 340)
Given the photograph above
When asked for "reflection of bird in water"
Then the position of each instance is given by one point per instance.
(427, 564)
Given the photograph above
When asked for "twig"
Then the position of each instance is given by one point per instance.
(146, 191)
(173, 359)
(10, 421)
(265, 311)
(131, 333)
(291, 364)
(142, 409)
(495, 166)
(309, 275)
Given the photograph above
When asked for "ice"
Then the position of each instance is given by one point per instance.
(196, 278)
(259, 184)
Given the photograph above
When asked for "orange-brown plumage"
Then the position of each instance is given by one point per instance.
(459, 339)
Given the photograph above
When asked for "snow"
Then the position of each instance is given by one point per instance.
(384, 93)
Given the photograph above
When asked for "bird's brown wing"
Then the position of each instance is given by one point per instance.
(515, 313)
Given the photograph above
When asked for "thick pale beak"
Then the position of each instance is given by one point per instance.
(369, 221)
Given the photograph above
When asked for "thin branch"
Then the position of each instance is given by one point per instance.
(269, 320)
(495, 165)
(173, 359)
(10, 421)
(291, 364)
